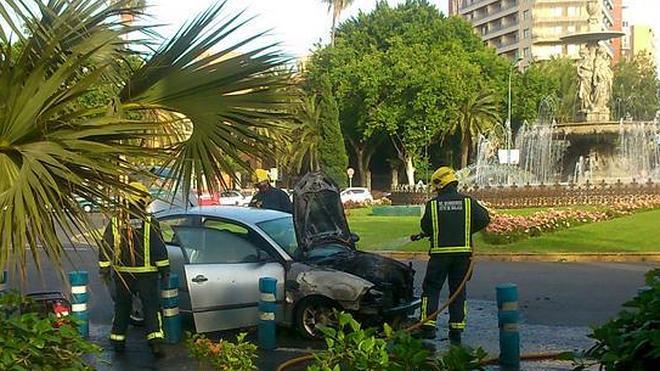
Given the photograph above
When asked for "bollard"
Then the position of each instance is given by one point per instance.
(79, 297)
(169, 295)
(3, 281)
(267, 307)
(507, 318)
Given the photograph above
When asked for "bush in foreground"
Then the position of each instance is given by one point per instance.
(630, 342)
(223, 355)
(31, 341)
(350, 347)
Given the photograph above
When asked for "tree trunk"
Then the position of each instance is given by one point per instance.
(465, 151)
(410, 171)
(334, 28)
(363, 155)
(395, 177)
(359, 153)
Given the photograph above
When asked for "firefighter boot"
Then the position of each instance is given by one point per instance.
(156, 349)
(426, 332)
(455, 337)
(118, 346)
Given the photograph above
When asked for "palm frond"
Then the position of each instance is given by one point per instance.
(177, 107)
(224, 94)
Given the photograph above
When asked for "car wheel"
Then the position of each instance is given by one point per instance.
(137, 317)
(87, 208)
(313, 313)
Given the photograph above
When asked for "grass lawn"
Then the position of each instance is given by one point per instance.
(635, 233)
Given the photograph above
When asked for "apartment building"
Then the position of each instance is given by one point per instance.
(642, 40)
(532, 28)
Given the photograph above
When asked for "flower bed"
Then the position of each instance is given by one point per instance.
(505, 228)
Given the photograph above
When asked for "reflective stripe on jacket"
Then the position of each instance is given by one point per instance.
(450, 220)
(132, 249)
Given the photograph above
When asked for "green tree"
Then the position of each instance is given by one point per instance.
(52, 148)
(332, 151)
(478, 114)
(308, 135)
(401, 73)
(635, 89)
(337, 7)
(552, 80)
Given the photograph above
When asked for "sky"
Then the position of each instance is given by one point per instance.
(299, 24)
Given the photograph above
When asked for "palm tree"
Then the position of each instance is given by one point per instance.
(337, 6)
(477, 114)
(137, 6)
(53, 148)
(308, 134)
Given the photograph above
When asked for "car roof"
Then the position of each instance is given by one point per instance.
(246, 215)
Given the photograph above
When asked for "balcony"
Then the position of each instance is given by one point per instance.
(500, 13)
(501, 30)
(505, 48)
(476, 4)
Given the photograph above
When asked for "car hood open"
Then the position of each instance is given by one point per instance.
(318, 214)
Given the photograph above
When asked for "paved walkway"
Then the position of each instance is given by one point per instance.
(481, 332)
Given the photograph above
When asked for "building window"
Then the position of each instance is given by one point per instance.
(526, 15)
(556, 11)
(573, 11)
(527, 52)
(557, 30)
(570, 29)
(526, 33)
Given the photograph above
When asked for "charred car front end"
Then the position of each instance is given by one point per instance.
(326, 243)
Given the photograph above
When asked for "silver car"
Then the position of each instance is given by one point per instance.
(221, 252)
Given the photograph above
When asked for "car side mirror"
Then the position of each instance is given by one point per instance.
(354, 237)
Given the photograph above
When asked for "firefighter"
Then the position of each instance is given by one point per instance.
(133, 249)
(268, 196)
(449, 221)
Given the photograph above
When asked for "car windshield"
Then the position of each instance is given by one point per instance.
(283, 233)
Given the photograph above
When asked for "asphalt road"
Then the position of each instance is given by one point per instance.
(553, 294)
(555, 298)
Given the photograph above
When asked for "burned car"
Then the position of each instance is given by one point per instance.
(221, 252)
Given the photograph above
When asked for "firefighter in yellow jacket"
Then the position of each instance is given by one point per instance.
(133, 249)
(449, 221)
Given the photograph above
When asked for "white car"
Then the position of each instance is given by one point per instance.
(233, 198)
(356, 194)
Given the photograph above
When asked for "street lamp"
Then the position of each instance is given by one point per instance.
(509, 134)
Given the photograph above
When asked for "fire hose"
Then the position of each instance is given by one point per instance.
(527, 357)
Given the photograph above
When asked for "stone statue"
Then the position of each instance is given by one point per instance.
(595, 13)
(585, 78)
(603, 77)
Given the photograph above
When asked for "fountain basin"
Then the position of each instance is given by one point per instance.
(590, 37)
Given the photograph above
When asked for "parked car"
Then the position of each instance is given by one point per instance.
(207, 198)
(356, 194)
(233, 198)
(164, 200)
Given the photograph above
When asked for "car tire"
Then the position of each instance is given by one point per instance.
(137, 317)
(313, 312)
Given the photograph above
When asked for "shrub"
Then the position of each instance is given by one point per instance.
(630, 342)
(223, 355)
(350, 347)
(30, 341)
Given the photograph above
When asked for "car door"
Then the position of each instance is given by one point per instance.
(224, 261)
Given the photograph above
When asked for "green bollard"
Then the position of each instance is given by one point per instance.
(507, 318)
(267, 306)
(169, 295)
(79, 298)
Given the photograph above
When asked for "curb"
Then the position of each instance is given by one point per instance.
(540, 257)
